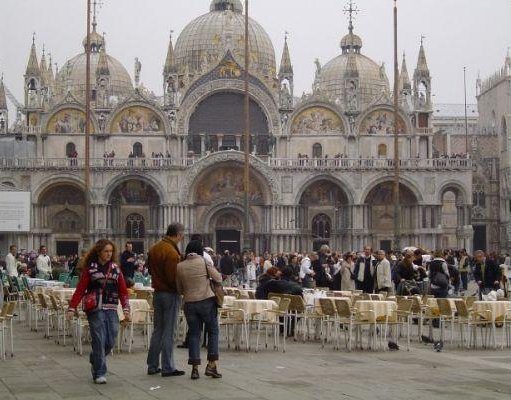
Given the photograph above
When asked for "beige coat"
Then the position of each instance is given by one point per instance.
(347, 283)
(192, 281)
(383, 274)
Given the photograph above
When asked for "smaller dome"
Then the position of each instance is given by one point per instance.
(351, 41)
(223, 5)
(97, 42)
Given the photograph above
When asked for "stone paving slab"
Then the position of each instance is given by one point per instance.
(43, 370)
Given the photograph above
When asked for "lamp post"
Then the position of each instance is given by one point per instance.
(86, 237)
(246, 203)
(397, 216)
(466, 117)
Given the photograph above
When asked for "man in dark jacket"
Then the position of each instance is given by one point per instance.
(486, 272)
(227, 268)
(128, 261)
(270, 282)
(364, 271)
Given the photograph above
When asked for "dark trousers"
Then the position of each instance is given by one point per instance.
(166, 310)
(199, 313)
(464, 279)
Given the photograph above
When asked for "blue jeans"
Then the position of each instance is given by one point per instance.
(198, 313)
(166, 309)
(103, 326)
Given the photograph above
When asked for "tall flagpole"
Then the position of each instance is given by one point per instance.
(246, 227)
(87, 127)
(397, 214)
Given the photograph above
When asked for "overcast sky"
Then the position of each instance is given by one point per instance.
(471, 33)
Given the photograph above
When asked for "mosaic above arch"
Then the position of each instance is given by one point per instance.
(381, 122)
(137, 119)
(134, 192)
(317, 120)
(227, 183)
(68, 120)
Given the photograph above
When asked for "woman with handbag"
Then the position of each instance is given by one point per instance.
(197, 282)
(101, 287)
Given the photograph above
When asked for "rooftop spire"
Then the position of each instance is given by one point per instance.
(170, 62)
(422, 64)
(404, 77)
(33, 64)
(102, 68)
(285, 64)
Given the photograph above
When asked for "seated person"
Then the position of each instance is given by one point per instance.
(270, 282)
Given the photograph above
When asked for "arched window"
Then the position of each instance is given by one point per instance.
(321, 227)
(138, 150)
(382, 150)
(135, 226)
(70, 149)
(32, 85)
(317, 151)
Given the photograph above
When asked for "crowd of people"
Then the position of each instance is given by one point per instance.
(105, 277)
(413, 271)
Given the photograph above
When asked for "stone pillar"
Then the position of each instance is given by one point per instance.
(220, 137)
(202, 144)
(238, 141)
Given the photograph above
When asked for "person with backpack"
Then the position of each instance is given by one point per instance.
(438, 276)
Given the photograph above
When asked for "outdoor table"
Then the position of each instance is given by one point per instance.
(135, 306)
(252, 307)
(497, 308)
(381, 309)
(228, 301)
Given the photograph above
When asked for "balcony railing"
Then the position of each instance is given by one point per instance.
(371, 163)
(95, 163)
(276, 163)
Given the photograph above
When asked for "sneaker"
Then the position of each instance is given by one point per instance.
(100, 380)
(212, 372)
(195, 374)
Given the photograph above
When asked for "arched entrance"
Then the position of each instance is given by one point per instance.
(379, 214)
(134, 208)
(61, 209)
(219, 215)
(324, 213)
(228, 227)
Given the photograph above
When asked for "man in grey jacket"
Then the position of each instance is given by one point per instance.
(383, 274)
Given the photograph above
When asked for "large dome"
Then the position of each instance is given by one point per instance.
(72, 74)
(204, 42)
(372, 77)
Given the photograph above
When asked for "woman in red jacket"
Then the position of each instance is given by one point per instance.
(103, 286)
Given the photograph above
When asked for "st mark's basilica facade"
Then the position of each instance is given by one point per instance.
(321, 162)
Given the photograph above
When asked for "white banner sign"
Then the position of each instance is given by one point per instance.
(14, 211)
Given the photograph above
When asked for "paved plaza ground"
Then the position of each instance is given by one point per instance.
(43, 370)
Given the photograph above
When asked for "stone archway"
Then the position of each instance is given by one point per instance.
(134, 213)
(219, 189)
(324, 212)
(379, 213)
(227, 229)
(60, 210)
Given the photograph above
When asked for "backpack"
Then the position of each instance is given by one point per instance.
(440, 280)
